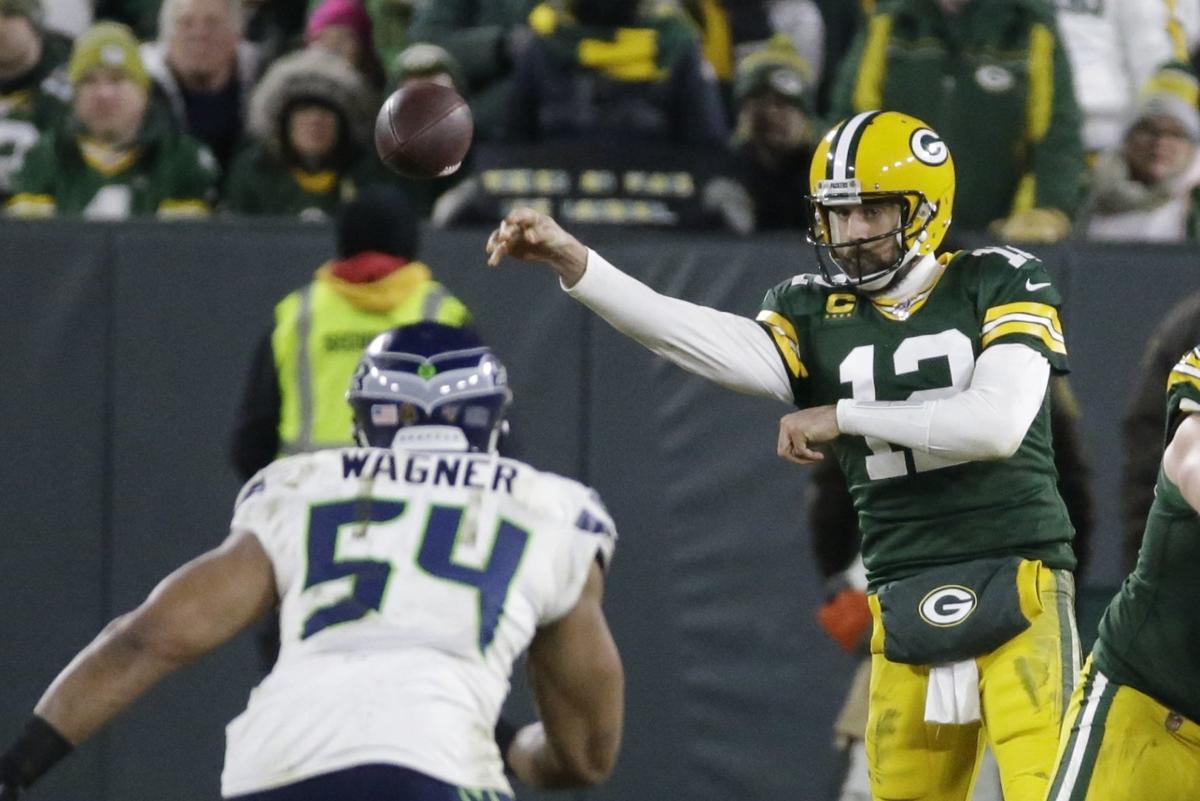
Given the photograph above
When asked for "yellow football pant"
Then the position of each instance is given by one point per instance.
(1120, 744)
(1024, 688)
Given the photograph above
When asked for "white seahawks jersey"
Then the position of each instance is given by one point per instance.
(409, 582)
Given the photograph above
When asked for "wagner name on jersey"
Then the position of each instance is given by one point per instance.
(918, 509)
(409, 582)
(1150, 634)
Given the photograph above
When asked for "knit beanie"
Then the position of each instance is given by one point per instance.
(30, 9)
(423, 59)
(381, 219)
(107, 44)
(778, 67)
(1172, 92)
(349, 13)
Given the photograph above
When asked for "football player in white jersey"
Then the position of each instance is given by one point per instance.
(410, 574)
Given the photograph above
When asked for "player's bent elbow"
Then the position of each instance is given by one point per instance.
(593, 763)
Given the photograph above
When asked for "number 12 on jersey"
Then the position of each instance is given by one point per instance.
(369, 577)
(858, 370)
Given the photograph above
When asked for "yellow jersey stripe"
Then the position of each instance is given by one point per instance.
(1032, 319)
(1025, 307)
(868, 91)
(1041, 331)
(786, 342)
(29, 204)
(1176, 377)
(1040, 104)
(1187, 370)
(183, 208)
(1175, 33)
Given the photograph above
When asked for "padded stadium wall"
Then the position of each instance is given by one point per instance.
(124, 352)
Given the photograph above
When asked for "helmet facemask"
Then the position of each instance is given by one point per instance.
(855, 263)
(456, 400)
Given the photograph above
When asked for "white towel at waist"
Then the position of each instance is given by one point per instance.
(952, 695)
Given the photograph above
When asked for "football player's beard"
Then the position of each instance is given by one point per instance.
(857, 261)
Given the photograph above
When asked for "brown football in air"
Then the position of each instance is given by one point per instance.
(423, 130)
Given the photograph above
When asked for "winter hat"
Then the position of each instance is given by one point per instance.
(1172, 92)
(422, 59)
(380, 218)
(107, 44)
(349, 13)
(777, 67)
(30, 9)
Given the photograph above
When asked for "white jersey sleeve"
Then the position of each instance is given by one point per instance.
(587, 525)
(729, 349)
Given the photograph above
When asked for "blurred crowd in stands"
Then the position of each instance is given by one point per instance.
(1066, 117)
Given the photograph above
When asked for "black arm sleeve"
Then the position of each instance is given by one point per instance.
(831, 516)
(1074, 473)
(255, 440)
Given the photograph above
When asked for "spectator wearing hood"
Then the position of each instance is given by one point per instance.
(310, 151)
(1146, 188)
(118, 154)
(35, 94)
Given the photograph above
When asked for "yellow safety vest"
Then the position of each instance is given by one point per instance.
(320, 333)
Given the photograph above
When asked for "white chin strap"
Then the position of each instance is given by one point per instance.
(431, 438)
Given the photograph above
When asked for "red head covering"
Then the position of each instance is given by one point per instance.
(349, 13)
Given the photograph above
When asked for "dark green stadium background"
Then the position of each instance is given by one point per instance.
(124, 348)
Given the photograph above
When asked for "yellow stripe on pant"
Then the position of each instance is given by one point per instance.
(1024, 686)
(1120, 744)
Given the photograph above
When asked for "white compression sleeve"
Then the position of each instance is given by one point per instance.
(728, 349)
(987, 420)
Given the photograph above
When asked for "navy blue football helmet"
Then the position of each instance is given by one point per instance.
(429, 386)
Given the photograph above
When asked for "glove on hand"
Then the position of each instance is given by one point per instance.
(1040, 226)
(846, 617)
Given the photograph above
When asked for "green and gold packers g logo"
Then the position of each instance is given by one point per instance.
(947, 605)
(928, 147)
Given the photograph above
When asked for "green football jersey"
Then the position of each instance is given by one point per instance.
(1150, 634)
(168, 174)
(915, 509)
(36, 102)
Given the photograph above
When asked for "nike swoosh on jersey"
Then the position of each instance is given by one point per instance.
(1032, 287)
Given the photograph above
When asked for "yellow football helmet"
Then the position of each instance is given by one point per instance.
(880, 156)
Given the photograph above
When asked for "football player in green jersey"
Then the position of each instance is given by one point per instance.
(1133, 727)
(926, 375)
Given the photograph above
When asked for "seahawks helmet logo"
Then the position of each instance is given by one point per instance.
(928, 147)
(947, 606)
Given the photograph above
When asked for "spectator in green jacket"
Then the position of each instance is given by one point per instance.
(606, 70)
(117, 155)
(34, 92)
(485, 38)
(993, 78)
(310, 121)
